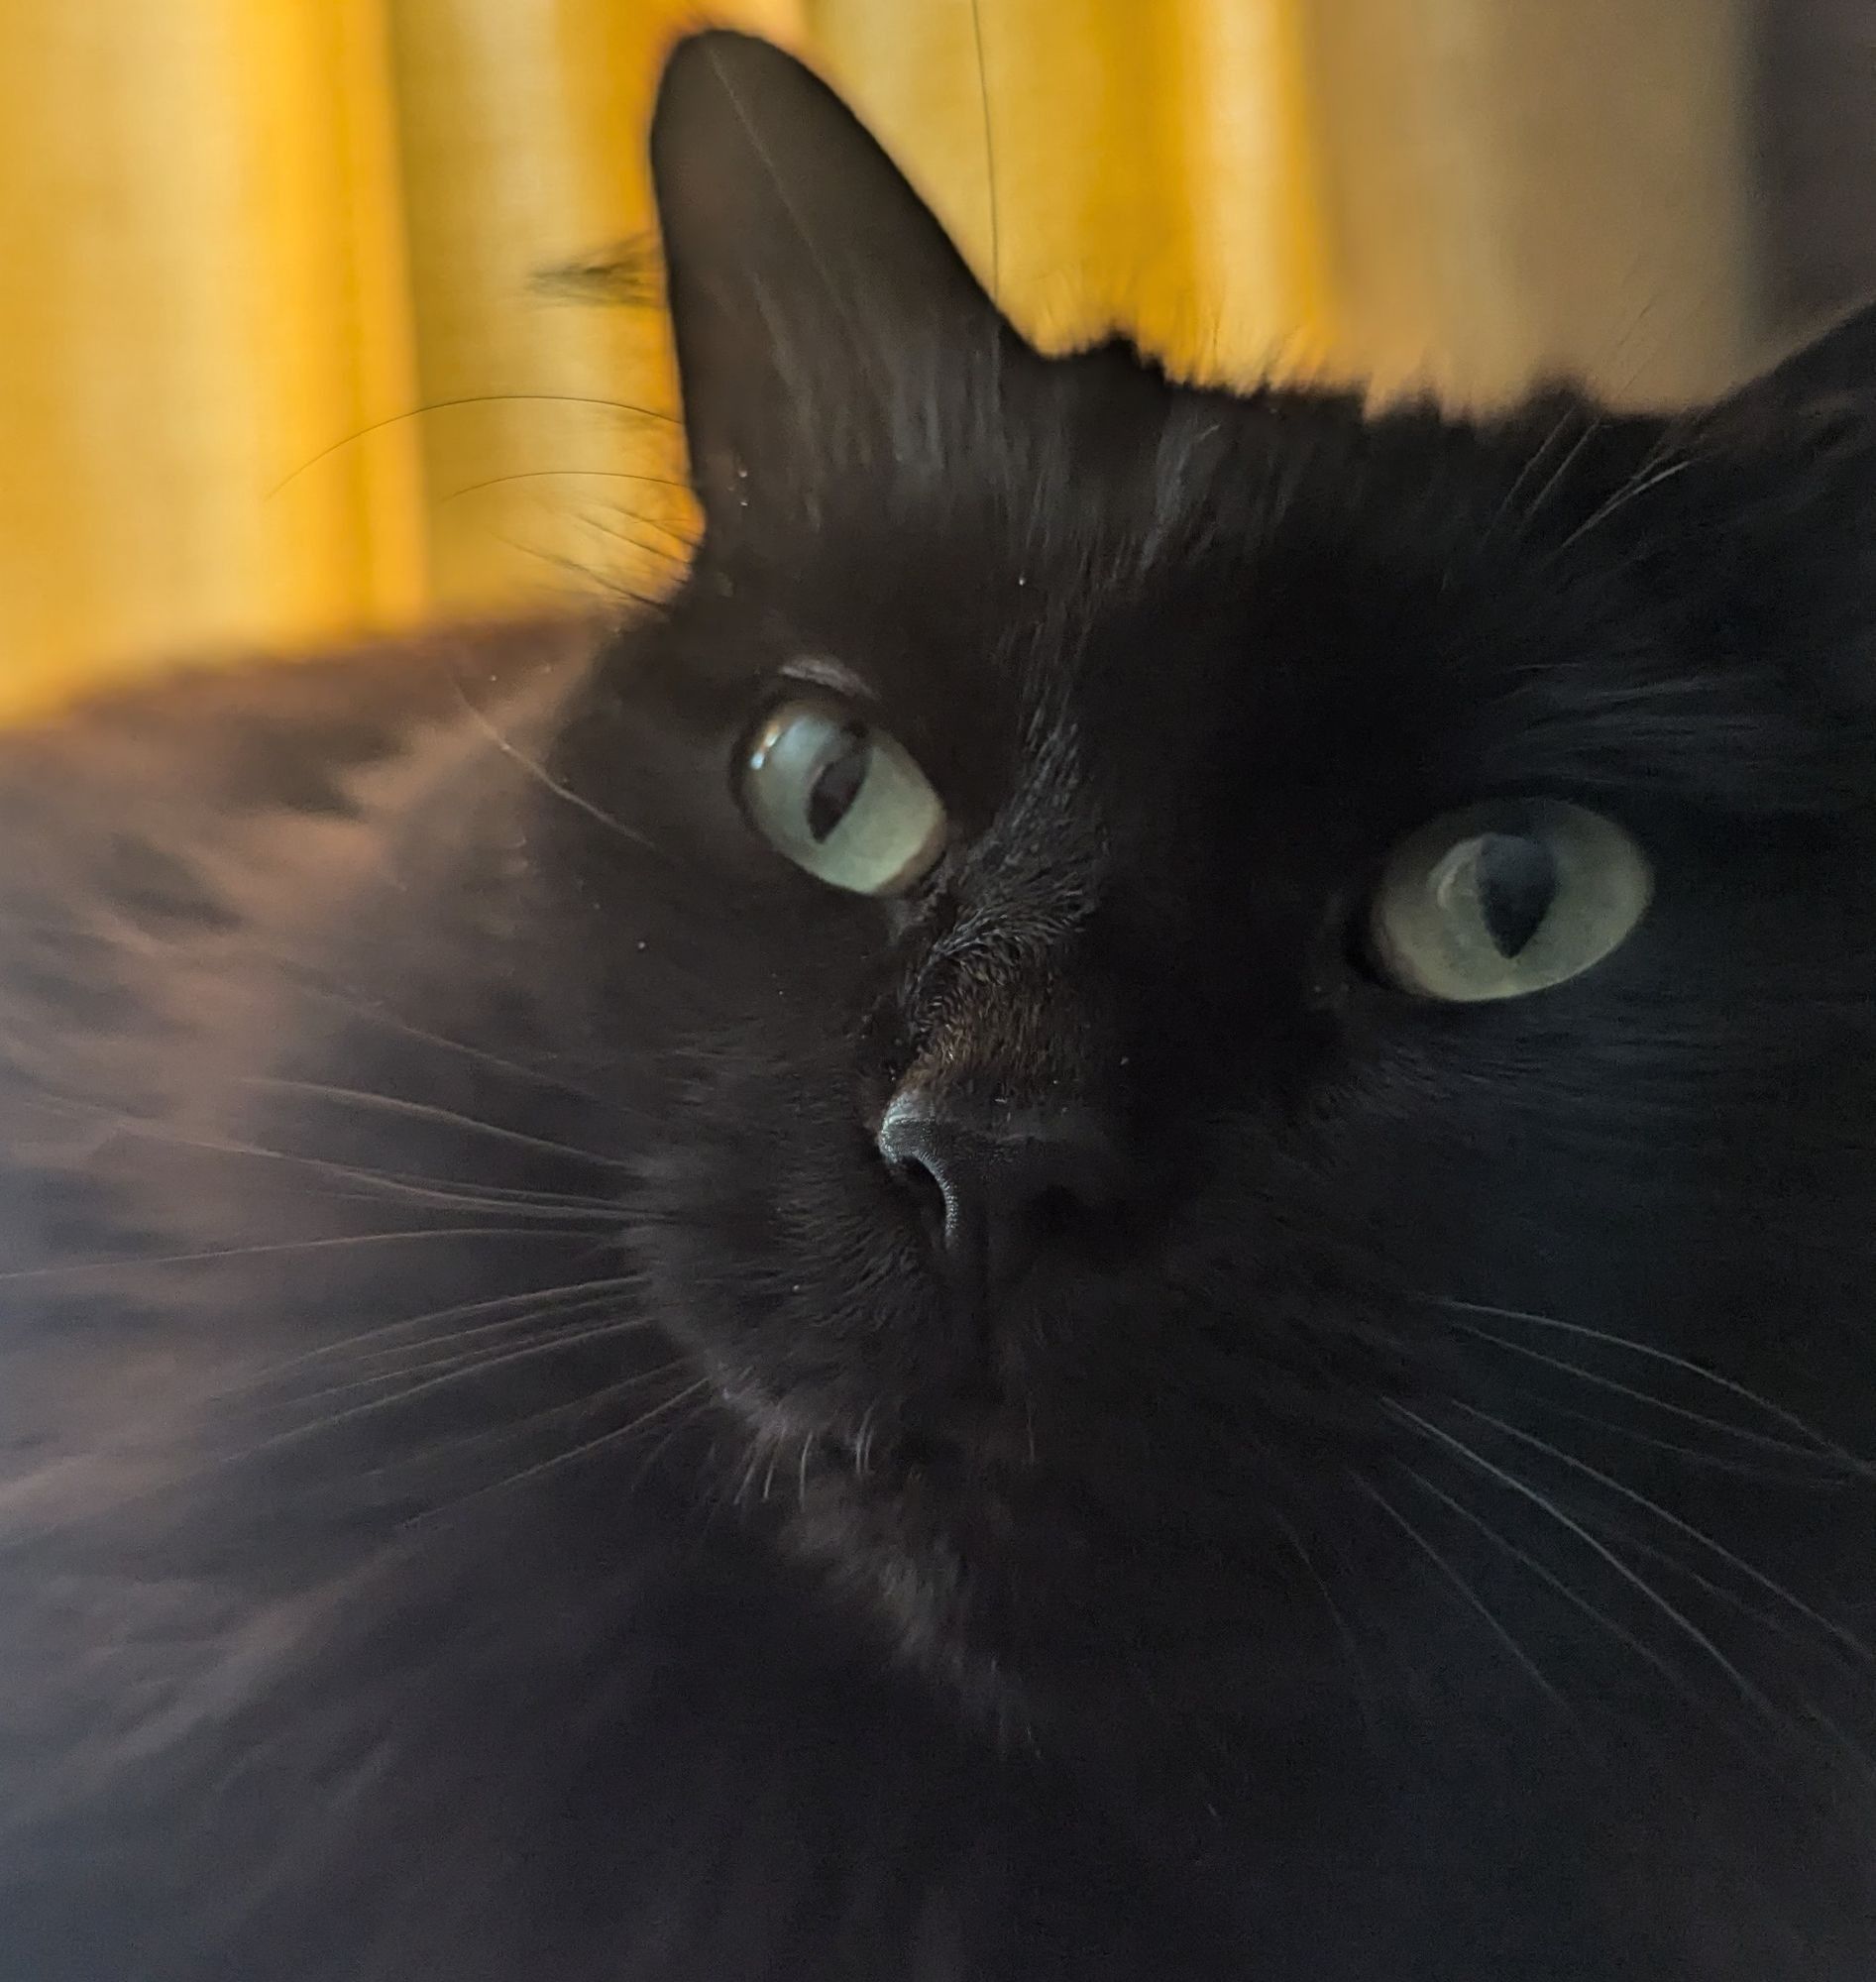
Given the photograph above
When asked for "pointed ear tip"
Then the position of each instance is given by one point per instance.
(718, 59)
(706, 75)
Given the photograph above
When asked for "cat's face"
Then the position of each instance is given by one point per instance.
(1281, 998)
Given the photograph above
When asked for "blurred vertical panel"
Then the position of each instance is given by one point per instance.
(550, 445)
(519, 140)
(1102, 163)
(201, 285)
(1516, 187)
(1254, 183)
(1815, 92)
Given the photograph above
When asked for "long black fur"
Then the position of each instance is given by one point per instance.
(482, 1487)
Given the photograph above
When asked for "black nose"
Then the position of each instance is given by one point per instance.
(1000, 1184)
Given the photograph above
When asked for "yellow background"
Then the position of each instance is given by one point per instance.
(279, 366)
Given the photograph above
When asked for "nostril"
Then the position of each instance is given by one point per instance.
(995, 1188)
(916, 1178)
(912, 1150)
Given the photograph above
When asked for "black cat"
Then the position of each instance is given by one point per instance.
(1114, 1219)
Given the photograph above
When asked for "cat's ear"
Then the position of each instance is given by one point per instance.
(1838, 365)
(1799, 445)
(804, 274)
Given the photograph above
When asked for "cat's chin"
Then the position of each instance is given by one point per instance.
(928, 1538)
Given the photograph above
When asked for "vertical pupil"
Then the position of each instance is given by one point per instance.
(839, 783)
(1516, 878)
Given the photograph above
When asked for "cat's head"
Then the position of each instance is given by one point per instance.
(1274, 1001)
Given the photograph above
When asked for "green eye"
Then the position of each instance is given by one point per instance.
(842, 800)
(1496, 902)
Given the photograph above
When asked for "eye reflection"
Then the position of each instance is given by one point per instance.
(841, 798)
(1494, 903)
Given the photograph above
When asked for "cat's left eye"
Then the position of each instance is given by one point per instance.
(841, 799)
(1501, 901)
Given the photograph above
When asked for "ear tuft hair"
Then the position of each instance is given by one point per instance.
(805, 274)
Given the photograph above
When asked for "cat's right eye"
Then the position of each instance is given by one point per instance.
(841, 799)
(1503, 900)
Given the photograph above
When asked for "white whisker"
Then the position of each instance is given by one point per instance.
(208, 1255)
(1765, 1583)
(1573, 1598)
(1662, 1356)
(588, 1447)
(455, 1371)
(1602, 1382)
(618, 1282)
(369, 1100)
(1629, 492)
(1639, 1583)
(434, 1360)
(1467, 1593)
